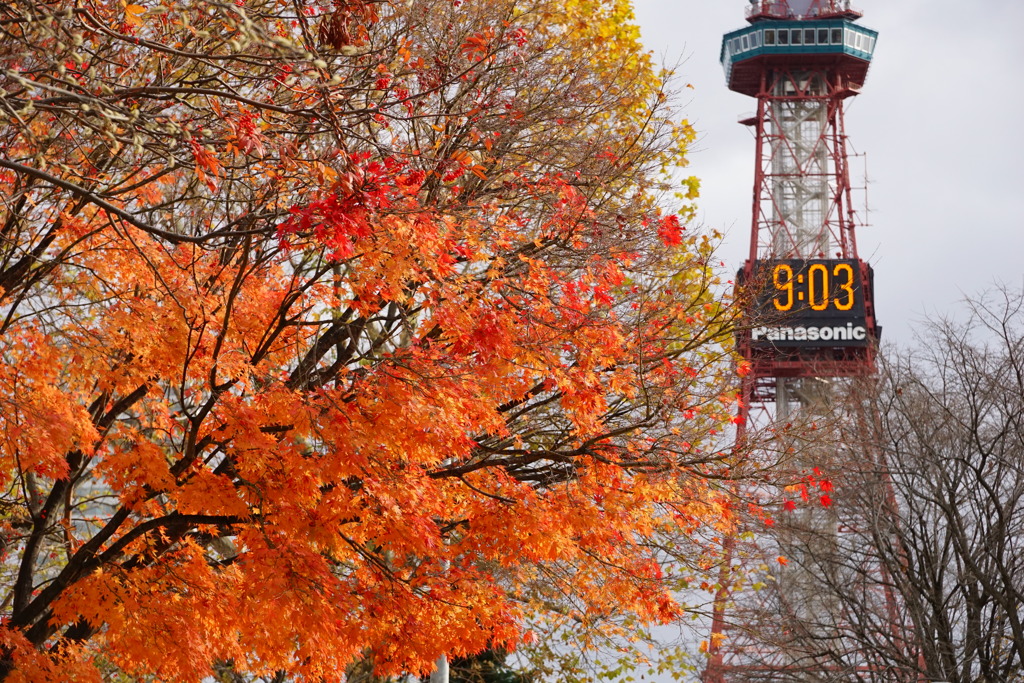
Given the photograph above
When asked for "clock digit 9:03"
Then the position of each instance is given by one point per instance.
(817, 288)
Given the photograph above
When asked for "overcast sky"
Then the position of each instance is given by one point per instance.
(940, 121)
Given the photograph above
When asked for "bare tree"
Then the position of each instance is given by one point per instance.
(915, 572)
(952, 434)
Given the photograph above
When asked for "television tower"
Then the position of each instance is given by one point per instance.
(809, 298)
(802, 60)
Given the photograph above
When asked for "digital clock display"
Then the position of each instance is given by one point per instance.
(811, 303)
(819, 286)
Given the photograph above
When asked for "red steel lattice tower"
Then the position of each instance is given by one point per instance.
(809, 296)
(802, 60)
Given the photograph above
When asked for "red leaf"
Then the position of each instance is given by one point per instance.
(670, 231)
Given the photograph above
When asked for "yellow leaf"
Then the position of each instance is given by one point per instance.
(133, 14)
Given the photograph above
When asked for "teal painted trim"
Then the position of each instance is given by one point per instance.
(801, 50)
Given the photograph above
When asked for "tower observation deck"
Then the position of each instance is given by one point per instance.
(833, 44)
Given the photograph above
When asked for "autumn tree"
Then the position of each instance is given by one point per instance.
(343, 334)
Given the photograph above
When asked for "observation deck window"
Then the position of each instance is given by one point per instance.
(783, 37)
(769, 36)
(837, 36)
(746, 44)
(822, 36)
(795, 36)
(809, 36)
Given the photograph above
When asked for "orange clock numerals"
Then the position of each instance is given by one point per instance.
(782, 276)
(841, 269)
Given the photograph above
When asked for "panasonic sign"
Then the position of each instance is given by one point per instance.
(855, 334)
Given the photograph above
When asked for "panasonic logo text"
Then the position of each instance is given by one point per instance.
(847, 332)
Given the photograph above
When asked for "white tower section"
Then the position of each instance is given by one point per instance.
(801, 187)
